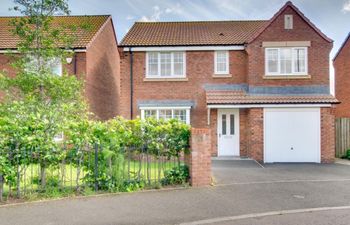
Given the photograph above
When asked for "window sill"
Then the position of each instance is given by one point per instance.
(286, 77)
(222, 75)
(166, 79)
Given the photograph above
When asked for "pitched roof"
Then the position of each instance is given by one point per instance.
(191, 33)
(290, 4)
(342, 46)
(198, 33)
(240, 97)
(83, 36)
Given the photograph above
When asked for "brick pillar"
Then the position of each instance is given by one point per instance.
(199, 159)
(256, 134)
(327, 135)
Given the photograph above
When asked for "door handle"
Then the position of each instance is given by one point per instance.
(291, 148)
(219, 135)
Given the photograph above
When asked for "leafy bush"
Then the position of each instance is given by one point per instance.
(348, 154)
(177, 175)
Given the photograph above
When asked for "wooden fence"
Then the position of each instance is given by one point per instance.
(342, 136)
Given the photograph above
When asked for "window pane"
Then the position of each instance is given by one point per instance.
(286, 61)
(165, 114)
(221, 61)
(165, 64)
(178, 63)
(150, 113)
(299, 60)
(180, 114)
(272, 60)
(153, 63)
(232, 124)
(223, 125)
(55, 66)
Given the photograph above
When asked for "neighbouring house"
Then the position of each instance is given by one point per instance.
(341, 64)
(261, 87)
(96, 59)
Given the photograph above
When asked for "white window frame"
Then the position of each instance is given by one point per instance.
(279, 62)
(227, 70)
(188, 121)
(171, 75)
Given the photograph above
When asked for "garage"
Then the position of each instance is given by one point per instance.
(292, 135)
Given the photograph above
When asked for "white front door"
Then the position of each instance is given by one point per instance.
(228, 132)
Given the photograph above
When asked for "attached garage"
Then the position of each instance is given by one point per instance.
(292, 135)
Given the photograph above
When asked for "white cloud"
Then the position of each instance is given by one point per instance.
(154, 17)
(346, 7)
(157, 12)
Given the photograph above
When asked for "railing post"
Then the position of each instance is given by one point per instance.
(96, 167)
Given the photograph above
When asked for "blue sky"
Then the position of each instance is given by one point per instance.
(331, 16)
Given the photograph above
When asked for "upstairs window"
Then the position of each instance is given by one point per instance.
(221, 62)
(165, 64)
(286, 61)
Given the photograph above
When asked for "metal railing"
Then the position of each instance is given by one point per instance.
(93, 168)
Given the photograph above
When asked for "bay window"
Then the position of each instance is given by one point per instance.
(165, 64)
(286, 61)
(182, 114)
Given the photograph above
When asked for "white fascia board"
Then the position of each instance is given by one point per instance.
(184, 48)
(269, 106)
(164, 107)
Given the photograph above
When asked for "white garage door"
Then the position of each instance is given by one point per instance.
(292, 135)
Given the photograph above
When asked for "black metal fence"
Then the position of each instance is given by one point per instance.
(68, 170)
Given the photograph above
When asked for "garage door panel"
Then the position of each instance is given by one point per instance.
(292, 135)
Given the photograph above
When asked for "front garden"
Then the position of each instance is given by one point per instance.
(50, 144)
(95, 157)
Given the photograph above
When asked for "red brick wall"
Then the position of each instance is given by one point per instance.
(102, 79)
(200, 69)
(243, 132)
(256, 134)
(327, 135)
(199, 160)
(318, 53)
(342, 81)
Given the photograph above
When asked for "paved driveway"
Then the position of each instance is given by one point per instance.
(245, 194)
(248, 171)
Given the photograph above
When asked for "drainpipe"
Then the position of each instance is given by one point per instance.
(75, 64)
(131, 84)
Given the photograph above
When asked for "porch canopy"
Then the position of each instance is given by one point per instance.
(245, 96)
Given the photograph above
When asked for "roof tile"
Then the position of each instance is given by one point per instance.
(83, 36)
(191, 33)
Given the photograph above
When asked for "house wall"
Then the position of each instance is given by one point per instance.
(102, 73)
(342, 81)
(318, 52)
(200, 70)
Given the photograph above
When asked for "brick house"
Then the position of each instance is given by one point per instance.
(95, 58)
(261, 87)
(341, 64)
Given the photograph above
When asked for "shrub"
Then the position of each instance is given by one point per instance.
(177, 175)
(348, 154)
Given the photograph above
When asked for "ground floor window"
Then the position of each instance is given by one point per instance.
(182, 114)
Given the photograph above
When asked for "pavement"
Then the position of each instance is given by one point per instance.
(245, 193)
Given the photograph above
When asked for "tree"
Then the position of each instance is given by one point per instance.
(39, 104)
